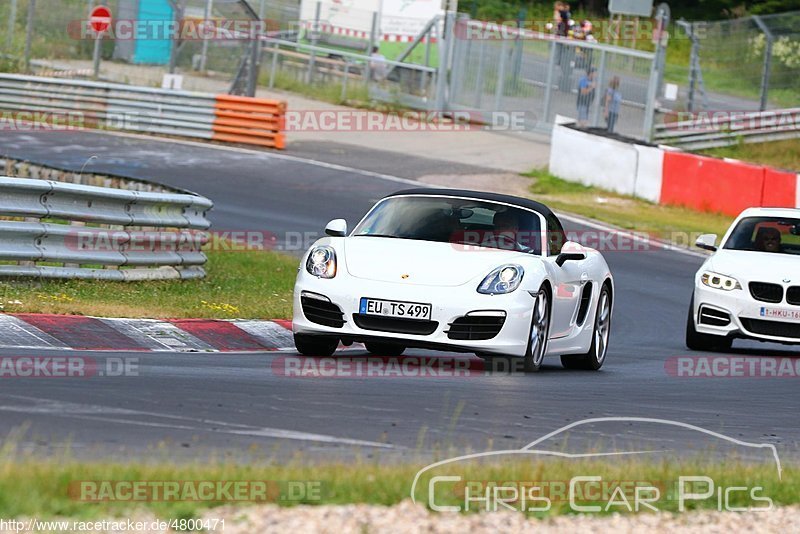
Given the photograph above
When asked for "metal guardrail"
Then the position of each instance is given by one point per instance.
(88, 104)
(113, 106)
(711, 130)
(170, 248)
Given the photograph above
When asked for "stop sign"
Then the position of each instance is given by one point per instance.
(100, 19)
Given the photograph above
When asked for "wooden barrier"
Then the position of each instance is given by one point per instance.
(250, 121)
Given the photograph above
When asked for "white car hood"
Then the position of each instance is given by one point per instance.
(425, 262)
(756, 266)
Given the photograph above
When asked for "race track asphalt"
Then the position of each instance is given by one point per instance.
(240, 406)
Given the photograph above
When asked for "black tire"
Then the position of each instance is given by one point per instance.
(703, 342)
(539, 332)
(308, 345)
(594, 359)
(381, 348)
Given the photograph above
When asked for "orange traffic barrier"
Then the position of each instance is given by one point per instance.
(250, 121)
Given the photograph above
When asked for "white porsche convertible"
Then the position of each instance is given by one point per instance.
(455, 270)
(750, 287)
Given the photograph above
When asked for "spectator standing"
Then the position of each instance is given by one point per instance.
(612, 103)
(586, 91)
(377, 65)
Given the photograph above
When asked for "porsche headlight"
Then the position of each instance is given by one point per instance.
(504, 279)
(321, 262)
(720, 281)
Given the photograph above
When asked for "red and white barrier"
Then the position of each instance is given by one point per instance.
(666, 175)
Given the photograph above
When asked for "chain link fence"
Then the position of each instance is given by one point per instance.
(746, 64)
(541, 76)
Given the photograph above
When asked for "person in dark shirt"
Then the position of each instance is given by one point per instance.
(586, 90)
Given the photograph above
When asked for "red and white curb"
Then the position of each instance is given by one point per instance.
(74, 332)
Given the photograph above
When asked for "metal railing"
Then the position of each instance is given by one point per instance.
(112, 106)
(746, 64)
(77, 104)
(108, 234)
(718, 129)
(406, 84)
(539, 74)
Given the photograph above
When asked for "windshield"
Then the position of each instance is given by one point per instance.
(778, 235)
(454, 220)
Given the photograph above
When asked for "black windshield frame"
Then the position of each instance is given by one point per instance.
(481, 233)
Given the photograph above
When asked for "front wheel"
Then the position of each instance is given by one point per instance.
(704, 342)
(539, 334)
(308, 345)
(593, 360)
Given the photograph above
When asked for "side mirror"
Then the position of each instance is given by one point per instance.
(336, 228)
(571, 251)
(707, 242)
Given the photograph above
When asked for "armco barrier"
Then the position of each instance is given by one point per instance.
(170, 248)
(726, 128)
(88, 104)
(666, 175)
(254, 121)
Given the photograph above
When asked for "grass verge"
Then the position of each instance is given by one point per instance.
(68, 488)
(252, 284)
(781, 154)
(664, 222)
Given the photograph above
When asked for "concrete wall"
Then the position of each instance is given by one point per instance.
(666, 175)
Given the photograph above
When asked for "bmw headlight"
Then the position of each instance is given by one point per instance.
(321, 262)
(720, 281)
(504, 279)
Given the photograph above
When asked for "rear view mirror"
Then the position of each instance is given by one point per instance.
(571, 251)
(336, 228)
(707, 242)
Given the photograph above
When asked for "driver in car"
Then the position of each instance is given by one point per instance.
(507, 231)
(768, 239)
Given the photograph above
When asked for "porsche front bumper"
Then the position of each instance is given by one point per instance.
(448, 305)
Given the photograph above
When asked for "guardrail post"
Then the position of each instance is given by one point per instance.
(343, 96)
(204, 48)
(314, 38)
(29, 34)
(444, 61)
(501, 75)
(12, 19)
(765, 71)
(274, 66)
(98, 41)
(601, 87)
(255, 64)
(650, 104)
(372, 36)
(479, 75)
(548, 90)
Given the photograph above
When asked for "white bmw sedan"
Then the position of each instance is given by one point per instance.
(455, 270)
(750, 287)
